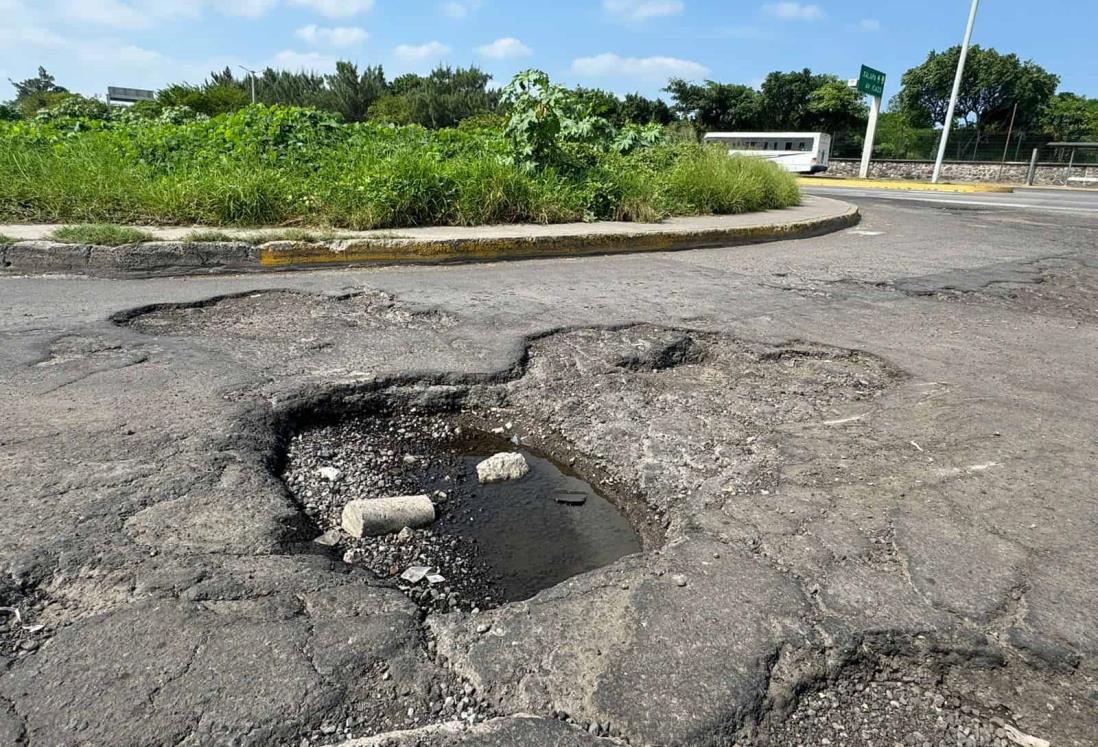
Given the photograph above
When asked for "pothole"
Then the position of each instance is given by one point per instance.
(868, 707)
(489, 544)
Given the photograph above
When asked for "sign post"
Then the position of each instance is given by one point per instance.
(870, 82)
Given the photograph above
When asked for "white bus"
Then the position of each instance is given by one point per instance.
(801, 152)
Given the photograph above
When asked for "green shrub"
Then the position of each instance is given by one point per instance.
(271, 165)
(100, 234)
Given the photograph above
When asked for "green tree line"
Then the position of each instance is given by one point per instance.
(999, 92)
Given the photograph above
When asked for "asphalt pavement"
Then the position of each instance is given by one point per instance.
(1023, 198)
(870, 457)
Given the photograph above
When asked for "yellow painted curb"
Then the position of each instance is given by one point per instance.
(286, 254)
(901, 184)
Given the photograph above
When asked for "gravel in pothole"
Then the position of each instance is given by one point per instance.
(489, 544)
(886, 709)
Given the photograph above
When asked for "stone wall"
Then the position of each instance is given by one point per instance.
(1013, 172)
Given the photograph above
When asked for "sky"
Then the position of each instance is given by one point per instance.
(619, 45)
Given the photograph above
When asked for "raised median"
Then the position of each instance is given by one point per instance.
(170, 251)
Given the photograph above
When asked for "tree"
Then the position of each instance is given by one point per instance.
(898, 137)
(37, 93)
(1070, 117)
(990, 86)
(599, 103)
(716, 106)
(352, 94)
(637, 109)
(440, 99)
(836, 108)
(786, 99)
(210, 99)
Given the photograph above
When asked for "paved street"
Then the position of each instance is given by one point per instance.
(1083, 202)
(867, 461)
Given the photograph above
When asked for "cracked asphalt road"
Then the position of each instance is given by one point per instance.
(875, 460)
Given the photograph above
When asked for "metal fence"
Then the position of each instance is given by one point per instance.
(922, 145)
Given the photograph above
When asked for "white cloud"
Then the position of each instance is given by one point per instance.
(792, 11)
(338, 36)
(421, 52)
(246, 8)
(868, 25)
(336, 8)
(642, 10)
(288, 59)
(504, 49)
(648, 68)
(456, 9)
(111, 13)
(141, 14)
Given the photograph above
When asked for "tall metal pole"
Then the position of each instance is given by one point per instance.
(251, 75)
(956, 91)
(870, 136)
(1006, 145)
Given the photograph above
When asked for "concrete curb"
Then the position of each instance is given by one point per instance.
(898, 184)
(158, 258)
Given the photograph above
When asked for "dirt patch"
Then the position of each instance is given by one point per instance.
(875, 707)
(280, 315)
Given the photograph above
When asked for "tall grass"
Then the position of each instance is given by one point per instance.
(100, 234)
(357, 177)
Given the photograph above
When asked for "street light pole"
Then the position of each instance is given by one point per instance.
(251, 74)
(956, 91)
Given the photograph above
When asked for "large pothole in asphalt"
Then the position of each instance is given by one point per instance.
(490, 543)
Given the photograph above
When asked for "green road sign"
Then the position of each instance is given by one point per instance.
(871, 81)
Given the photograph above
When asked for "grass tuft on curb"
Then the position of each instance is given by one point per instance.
(101, 234)
(212, 237)
(6, 240)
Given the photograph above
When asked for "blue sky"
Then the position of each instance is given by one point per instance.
(621, 45)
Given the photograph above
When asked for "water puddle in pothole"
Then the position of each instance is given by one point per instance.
(490, 543)
(539, 530)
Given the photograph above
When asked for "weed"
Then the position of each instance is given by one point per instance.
(211, 236)
(100, 234)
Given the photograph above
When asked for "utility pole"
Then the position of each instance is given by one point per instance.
(251, 74)
(956, 91)
(1006, 145)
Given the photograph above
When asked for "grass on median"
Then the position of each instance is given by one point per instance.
(280, 166)
(100, 234)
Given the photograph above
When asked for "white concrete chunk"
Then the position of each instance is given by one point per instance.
(506, 465)
(373, 517)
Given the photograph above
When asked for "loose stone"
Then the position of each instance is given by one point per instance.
(372, 517)
(506, 465)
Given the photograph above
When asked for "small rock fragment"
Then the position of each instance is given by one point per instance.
(679, 580)
(506, 465)
(415, 574)
(331, 474)
(330, 538)
(570, 498)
